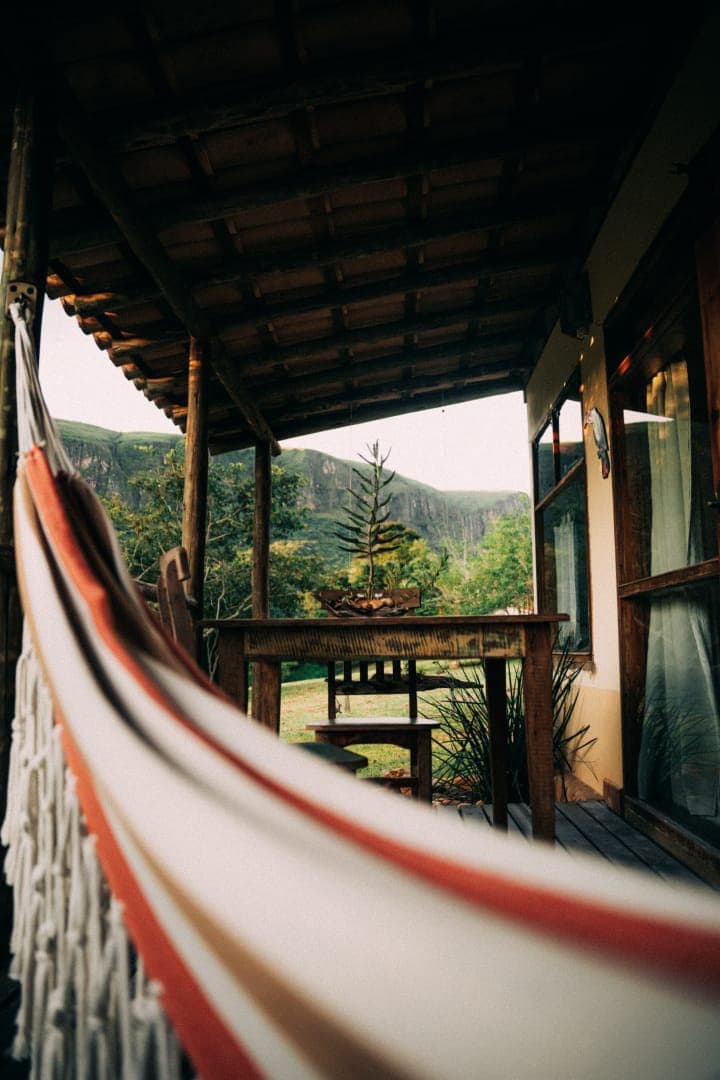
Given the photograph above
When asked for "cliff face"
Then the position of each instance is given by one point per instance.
(109, 459)
(461, 515)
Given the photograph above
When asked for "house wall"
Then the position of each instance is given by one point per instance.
(649, 193)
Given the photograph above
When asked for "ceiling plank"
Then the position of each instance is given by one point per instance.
(310, 398)
(82, 238)
(344, 80)
(520, 308)
(347, 415)
(459, 353)
(470, 273)
(558, 201)
(313, 181)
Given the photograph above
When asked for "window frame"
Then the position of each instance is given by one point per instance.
(561, 482)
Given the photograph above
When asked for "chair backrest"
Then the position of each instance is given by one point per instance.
(174, 611)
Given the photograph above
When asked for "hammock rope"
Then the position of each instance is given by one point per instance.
(184, 878)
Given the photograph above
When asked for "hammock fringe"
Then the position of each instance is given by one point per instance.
(87, 1009)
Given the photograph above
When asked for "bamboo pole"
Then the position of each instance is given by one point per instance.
(26, 246)
(194, 522)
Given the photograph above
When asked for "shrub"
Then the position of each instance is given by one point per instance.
(462, 755)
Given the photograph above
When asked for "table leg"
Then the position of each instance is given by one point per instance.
(424, 767)
(332, 692)
(497, 718)
(233, 673)
(266, 693)
(537, 679)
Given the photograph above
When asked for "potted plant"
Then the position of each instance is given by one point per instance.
(366, 533)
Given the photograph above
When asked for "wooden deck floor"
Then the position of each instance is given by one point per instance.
(593, 829)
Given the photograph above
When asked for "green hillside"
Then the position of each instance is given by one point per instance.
(108, 460)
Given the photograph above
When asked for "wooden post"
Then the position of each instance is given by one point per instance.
(261, 532)
(266, 677)
(194, 523)
(26, 244)
(496, 698)
(537, 679)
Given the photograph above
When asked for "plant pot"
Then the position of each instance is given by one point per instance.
(344, 604)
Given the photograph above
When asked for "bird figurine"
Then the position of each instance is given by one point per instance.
(594, 419)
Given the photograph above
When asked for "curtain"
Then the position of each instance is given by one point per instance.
(566, 577)
(680, 746)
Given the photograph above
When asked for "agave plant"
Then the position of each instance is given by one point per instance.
(368, 532)
(462, 746)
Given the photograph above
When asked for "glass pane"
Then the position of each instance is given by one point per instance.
(679, 762)
(669, 470)
(545, 467)
(565, 584)
(571, 435)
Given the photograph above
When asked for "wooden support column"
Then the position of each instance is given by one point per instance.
(194, 522)
(496, 698)
(266, 676)
(26, 246)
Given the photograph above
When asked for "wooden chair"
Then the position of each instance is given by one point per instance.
(408, 732)
(356, 678)
(172, 601)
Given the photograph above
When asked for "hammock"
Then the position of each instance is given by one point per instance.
(286, 920)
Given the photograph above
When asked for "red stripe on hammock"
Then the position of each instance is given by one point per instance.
(649, 942)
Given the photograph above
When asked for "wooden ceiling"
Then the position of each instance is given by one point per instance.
(367, 208)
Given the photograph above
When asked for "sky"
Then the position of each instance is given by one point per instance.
(480, 445)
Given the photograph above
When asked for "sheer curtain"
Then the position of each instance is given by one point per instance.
(566, 577)
(680, 746)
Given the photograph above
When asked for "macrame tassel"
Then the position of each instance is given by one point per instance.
(83, 1013)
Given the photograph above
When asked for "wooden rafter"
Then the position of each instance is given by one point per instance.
(345, 414)
(521, 307)
(81, 237)
(481, 348)
(331, 83)
(303, 392)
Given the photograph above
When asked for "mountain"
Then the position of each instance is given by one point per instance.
(109, 459)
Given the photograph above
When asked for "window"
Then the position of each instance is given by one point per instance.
(668, 573)
(561, 519)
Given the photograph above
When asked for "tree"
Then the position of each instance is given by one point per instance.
(156, 527)
(500, 575)
(368, 532)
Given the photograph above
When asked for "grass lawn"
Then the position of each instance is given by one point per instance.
(306, 702)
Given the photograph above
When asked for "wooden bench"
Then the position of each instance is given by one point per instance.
(414, 735)
(334, 755)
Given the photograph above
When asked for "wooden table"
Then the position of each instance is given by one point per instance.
(491, 638)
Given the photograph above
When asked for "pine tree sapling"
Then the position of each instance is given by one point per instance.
(368, 532)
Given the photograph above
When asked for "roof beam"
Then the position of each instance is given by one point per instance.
(519, 308)
(329, 83)
(347, 415)
(81, 238)
(93, 305)
(72, 231)
(110, 188)
(470, 273)
(379, 241)
(471, 367)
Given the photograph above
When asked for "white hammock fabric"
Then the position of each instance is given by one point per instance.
(292, 921)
